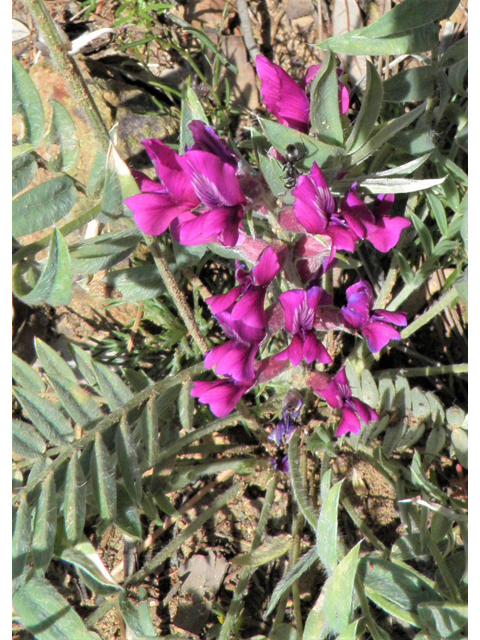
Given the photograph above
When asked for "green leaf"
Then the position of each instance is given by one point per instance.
(26, 442)
(104, 251)
(369, 110)
(127, 517)
(25, 375)
(84, 363)
(385, 133)
(339, 592)
(54, 287)
(370, 393)
(411, 41)
(62, 137)
(24, 171)
(112, 387)
(103, 480)
(267, 552)
(436, 441)
(47, 615)
(78, 403)
(352, 632)
(127, 460)
(398, 185)
(409, 546)
(187, 256)
(316, 626)
(20, 150)
(446, 619)
(149, 428)
(21, 542)
(137, 617)
(74, 501)
(52, 424)
(460, 444)
(52, 362)
(327, 529)
(412, 85)
(96, 179)
(297, 481)
(27, 102)
(396, 583)
(137, 284)
(324, 106)
(84, 557)
(292, 575)
(455, 52)
(438, 211)
(324, 155)
(192, 109)
(457, 75)
(186, 406)
(42, 206)
(420, 479)
(45, 524)
(392, 609)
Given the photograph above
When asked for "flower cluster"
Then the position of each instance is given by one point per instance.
(202, 196)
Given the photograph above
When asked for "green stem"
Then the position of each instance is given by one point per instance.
(444, 570)
(69, 70)
(177, 294)
(445, 301)
(388, 284)
(236, 603)
(419, 372)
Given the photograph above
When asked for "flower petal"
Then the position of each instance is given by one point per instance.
(153, 212)
(206, 139)
(348, 423)
(170, 172)
(282, 96)
(267, 268)
(221, 395)
(314, 351)
(292, 302)
(379, 334)
(386, 235)
(393, 317)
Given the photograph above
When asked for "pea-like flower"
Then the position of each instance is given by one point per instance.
(376, 325)
(338, 395)
(221, 395)
(299, 308)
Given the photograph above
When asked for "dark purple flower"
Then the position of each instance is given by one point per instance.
(376, 325)
(285, 99)
(315, 209)
(206, 139)
(299, 308)
(251, 291)
(221, 395)
(338, 395)
(382, 230)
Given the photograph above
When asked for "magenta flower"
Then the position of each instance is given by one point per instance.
(338, 395)
(299, 308)
(376, 325)
(199, 196)
(160, 203)
(315, 209)
(285, 99)
(251, 291)
(382, 230)
(221, 395)
(206, 139)
(235, 358)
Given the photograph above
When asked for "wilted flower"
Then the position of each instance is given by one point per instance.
(376, 325)
(287, 100)
(338, 395)
(299, 307)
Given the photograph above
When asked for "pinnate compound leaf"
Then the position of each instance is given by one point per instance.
(43, 206)
(324, 106)
(460, 444)
(54, 287)
(45, 524)
(137, 284)
(84, 363)
(327, 529)
(52, 362)
(46, 614)
(292, 575)
(25, 375)
(369, 111)
(26, 441)
(49, 421)
(104, 251)
(127, 517)
(74, 501)
(21, 542)
(24, 171)
(61, 141)
(339, 592)
(27, 102)
(103, 480)
(270, 550)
